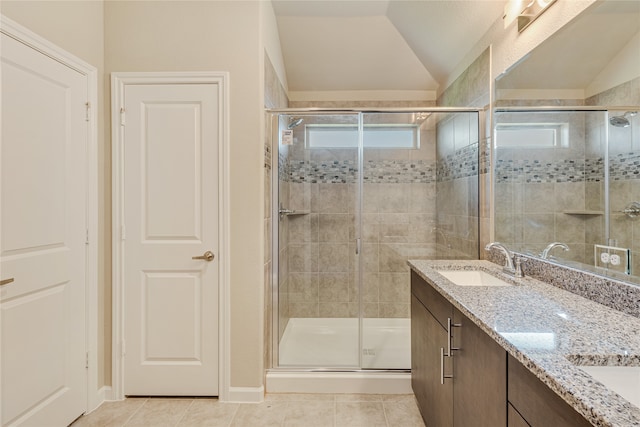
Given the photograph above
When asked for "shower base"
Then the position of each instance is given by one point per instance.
(315, 346)
(333, 343)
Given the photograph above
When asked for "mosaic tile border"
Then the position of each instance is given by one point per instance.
(625, 166)
(622, 167)
(385, 171)
(463, 163)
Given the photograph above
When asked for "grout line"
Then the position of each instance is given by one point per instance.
(135, 412)
(384, 412)
(234, 414)
(184, 413)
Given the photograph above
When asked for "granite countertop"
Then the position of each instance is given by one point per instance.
(550, 331)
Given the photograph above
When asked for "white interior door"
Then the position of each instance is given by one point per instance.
(170, 216)
(42, 244)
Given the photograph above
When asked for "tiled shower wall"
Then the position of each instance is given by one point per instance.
(549, 194)
(398, 217)
(462, 181)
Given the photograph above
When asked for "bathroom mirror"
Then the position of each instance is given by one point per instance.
(566, 156)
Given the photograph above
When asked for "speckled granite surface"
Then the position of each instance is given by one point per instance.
(613, 293)
(550, 331)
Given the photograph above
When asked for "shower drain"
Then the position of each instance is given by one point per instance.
(368, 352)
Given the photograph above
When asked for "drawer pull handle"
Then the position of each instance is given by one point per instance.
(450, 348)
(442, 375)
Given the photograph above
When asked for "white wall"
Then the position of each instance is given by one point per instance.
(623, 68)
(213, 36)
(509, 46)
(52, 20)
(271, 40)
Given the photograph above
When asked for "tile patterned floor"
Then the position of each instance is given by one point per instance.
(290, 410)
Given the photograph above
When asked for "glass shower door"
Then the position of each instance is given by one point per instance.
(318, 304)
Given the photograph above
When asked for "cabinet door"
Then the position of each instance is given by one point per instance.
(427, 338)
(537, 403)
(480, 376)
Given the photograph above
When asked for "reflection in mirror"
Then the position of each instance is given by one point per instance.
(570, 172)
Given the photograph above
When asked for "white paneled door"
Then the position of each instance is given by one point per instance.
(171, 142)
(43, 232)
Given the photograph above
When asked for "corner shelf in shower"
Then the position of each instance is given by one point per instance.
(583, 212)
(289, 213)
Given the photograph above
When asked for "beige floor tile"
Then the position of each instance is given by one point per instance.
(266, 414)
(359, 397)
(111, 414)
(398, 398)
(403, 413)
(299, 397)
(360, 414)
(310, 414)
(159, 412)
(209, 413)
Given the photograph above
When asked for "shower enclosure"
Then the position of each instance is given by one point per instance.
(354, 197)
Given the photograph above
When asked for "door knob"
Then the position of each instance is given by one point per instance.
(6, 281)
(207, 256)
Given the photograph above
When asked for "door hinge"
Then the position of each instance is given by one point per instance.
(123, 233)
(86, 236)
(86, 361)
(87, 116)
(122, 116)
(123, 349)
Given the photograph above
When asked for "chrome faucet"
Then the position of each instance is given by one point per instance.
(509, 267)
(545, 252)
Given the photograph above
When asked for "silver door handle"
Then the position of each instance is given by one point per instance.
(207, 256)
(6, 281)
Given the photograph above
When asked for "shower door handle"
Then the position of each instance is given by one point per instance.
(358, 246)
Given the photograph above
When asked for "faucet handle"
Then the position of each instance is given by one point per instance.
(518, 261)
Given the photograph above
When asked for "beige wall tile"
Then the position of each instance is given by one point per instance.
(333, 257)
(333, 309)
(303, 257)
(333, 287)
(334, 227)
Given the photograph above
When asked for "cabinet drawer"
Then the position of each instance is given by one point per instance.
(536, 402)
(437, 305)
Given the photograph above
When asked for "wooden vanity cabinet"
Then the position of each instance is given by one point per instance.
(482, 372)
(428, 336)
(536, 403)
(479, 376)
(474, 391)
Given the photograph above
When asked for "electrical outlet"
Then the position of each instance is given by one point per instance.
(612, 258)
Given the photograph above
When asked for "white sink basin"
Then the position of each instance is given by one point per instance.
(472, 278)
(624, 380)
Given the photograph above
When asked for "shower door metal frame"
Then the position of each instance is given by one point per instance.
(274, 129)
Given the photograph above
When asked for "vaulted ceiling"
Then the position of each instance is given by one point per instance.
(369, 45)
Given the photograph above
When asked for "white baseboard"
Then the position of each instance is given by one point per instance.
(106, 392)
(102, 395)
(339, 382)
(245, 394)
